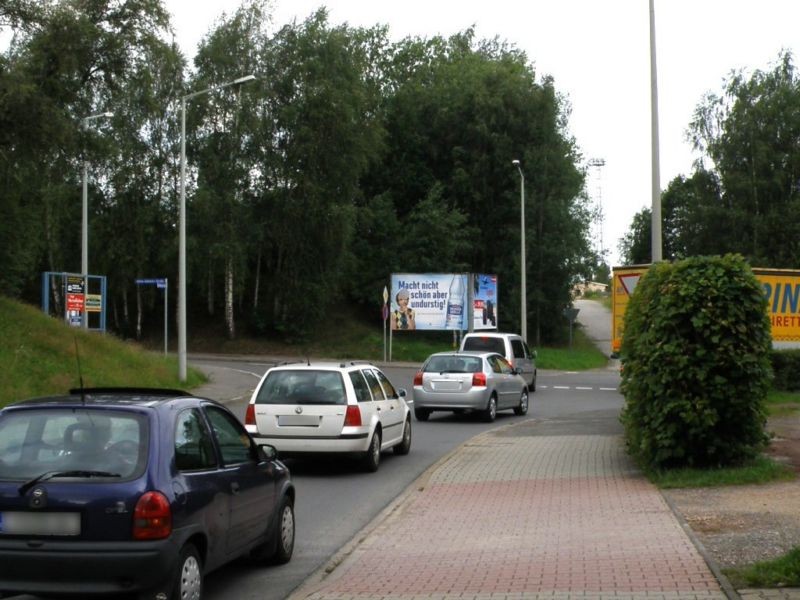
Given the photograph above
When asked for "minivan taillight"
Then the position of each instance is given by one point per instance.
(152, 517)
(352, 417)
(418, 378)
(250, 415)
(479, 380)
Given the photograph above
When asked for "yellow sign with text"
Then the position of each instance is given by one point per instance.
(781, 288)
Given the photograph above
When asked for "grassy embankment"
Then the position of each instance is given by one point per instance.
(38, 357)
(38, 353)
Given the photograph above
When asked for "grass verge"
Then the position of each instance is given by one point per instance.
(783, 404)
(354, 339)
(759, 470)
(41, 356)
(780, 572)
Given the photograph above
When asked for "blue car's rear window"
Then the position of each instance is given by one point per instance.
(41, 440)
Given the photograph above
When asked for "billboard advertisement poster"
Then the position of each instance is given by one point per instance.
(484, 300)
(428, 301)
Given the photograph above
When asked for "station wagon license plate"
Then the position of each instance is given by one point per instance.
(39, 523)
(298, 421)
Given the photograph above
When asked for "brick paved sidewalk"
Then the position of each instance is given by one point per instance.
(514, 515)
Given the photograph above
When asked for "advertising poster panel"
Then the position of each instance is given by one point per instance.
(484, 315)
(440, 301)
(428, 301)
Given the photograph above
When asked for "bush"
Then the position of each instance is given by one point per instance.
(696, 364)
(785, 366)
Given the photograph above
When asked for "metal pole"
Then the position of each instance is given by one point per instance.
(85, 221)
(182, 253)
(656, 242)
(85, 241)
(182, 226)
(523, 302)
(523, 269)
(166, 309)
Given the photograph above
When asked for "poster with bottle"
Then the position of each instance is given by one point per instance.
(438, 301)
(484, 300)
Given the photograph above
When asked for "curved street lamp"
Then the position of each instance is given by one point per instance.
(85, 220)
(523, 318)
(182, 225)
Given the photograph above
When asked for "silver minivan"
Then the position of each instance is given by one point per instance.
(509, 345)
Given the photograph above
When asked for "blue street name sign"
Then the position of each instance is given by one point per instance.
(162, 283)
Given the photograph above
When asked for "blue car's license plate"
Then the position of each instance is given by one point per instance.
(40, 523)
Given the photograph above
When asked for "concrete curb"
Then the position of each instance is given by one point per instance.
(727, 588)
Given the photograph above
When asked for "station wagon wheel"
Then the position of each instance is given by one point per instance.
(404, 446)
(490, 413)
(523, 404)
(373, 456)
(188, 583)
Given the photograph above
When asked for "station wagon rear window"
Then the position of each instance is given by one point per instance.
(307, 386)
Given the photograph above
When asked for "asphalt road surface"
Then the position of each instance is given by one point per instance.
(335, 500)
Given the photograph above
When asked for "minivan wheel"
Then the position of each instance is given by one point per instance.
(522, 409)
(373, 456)
(404, 446)
(188, 579)
(490, 413)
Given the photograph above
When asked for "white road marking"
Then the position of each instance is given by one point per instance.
(581, 388)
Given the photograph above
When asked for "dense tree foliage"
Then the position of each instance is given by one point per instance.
(696, 364)
(744, 195)
(348, 158)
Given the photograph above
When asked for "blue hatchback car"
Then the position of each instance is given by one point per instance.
(134, 491)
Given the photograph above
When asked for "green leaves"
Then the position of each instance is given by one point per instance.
(696, 364)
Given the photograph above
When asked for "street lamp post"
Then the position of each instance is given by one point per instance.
(523, 320)
(182, 225)
(85, 221)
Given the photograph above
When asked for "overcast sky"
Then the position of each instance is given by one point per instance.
(598, 54)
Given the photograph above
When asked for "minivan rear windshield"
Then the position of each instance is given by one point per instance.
(485, 344)
(307, 386)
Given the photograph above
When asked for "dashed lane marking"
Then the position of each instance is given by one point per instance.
(579, 388)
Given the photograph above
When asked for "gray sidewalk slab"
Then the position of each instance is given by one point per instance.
(516, 515)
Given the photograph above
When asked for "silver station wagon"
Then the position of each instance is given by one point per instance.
(475, 381)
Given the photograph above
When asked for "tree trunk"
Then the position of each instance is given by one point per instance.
(257, 280)
(138, 312)
(229, 298)
(210, 289)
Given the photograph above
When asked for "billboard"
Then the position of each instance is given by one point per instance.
(484, 302)
(440, 301)
(781, 289)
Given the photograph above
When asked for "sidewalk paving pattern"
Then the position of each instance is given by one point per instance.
(517, 515)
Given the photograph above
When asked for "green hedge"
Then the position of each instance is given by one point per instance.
(696, 364)
(786, 370)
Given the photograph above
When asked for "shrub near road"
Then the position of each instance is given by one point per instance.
(696, 364)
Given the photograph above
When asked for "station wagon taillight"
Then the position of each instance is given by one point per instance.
(152, 517)
(478, 379)
(418, 378)
(250, 415)
(352, 417)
